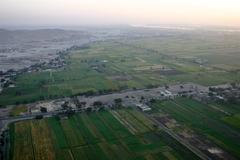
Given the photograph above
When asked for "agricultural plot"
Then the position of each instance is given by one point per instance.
(94, 136)
(112, 66)
(21, 138)
(233, 120)
(41, 141)
(204, 45)
(218, 123)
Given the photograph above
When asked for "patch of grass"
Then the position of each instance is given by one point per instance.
(16, 111)
(132, 121)
(57, 133)
(233, 120)
(72, 133)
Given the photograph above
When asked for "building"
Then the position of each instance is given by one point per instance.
(143, 107)
(167, 93)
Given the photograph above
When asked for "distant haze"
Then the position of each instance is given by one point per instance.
(116, 12)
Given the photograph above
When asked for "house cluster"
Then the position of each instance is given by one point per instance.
(52, 106)
(55, 63)
(129, 98)
(46, 65)
(228, 92)
(141, 98)
(7, 77)
(167, 93)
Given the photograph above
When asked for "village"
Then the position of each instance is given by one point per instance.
(131, 98)
(7, 78)
(138, 98)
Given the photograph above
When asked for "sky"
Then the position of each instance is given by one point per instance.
(119, 12)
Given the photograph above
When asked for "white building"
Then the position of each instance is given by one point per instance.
(143, 107)
(166, 93)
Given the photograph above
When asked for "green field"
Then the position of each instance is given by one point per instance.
(92, 136)
(218, 123)
(123, 64)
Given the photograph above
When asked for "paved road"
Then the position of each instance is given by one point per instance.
(4, 121)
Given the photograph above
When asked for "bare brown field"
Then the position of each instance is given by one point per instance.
(22, 148)
(43, 146)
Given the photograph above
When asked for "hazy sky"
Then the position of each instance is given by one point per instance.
(90, 12)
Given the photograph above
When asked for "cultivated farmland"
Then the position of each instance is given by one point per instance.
(215, 124)
(118, 134)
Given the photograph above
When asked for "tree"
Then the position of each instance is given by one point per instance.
(101, 108)
(232, 100)
(17, 102)
(43, 109)
(89, 93)
(97, 103)
(41, 97)
(39, 117)
(118, 100)
(155, 127)
(152, 100)
(210, 94)
(65, 105)
(212, 89)
(69, 112)
(89, 109)
(82, 104)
